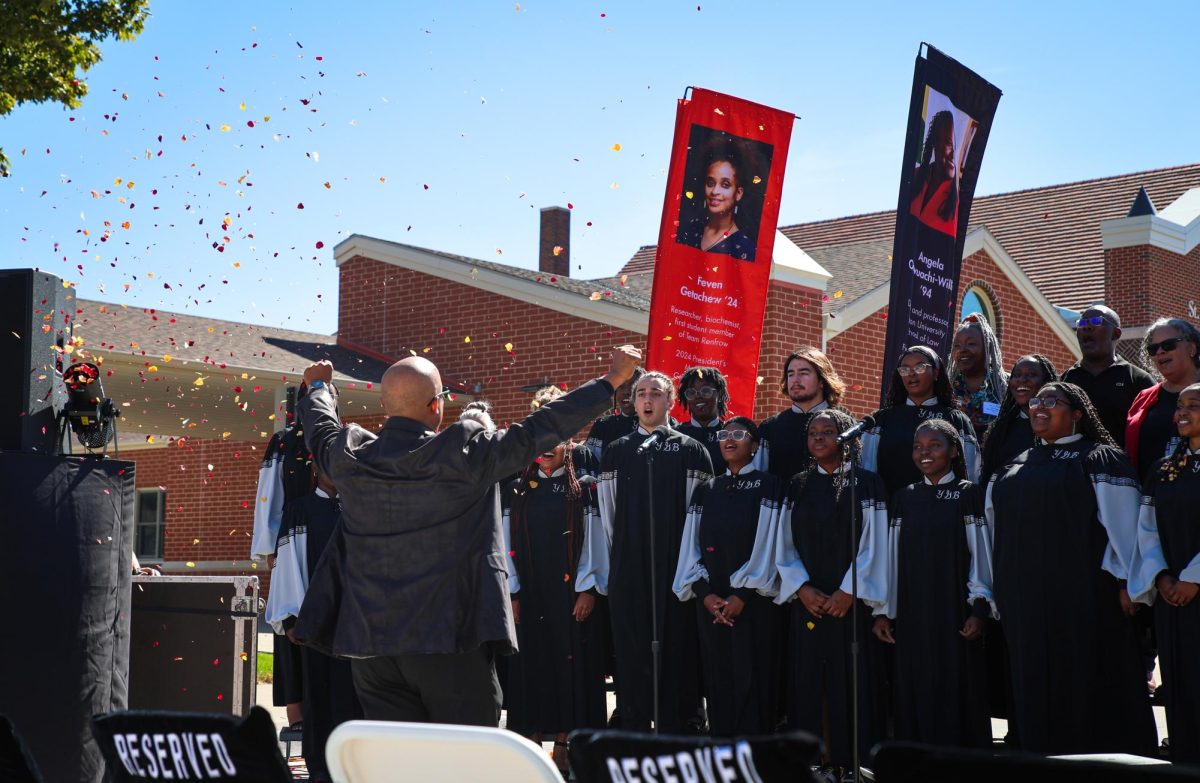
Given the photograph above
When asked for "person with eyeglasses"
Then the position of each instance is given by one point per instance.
(1064, 516)
(704, 394)
(919, 391)
(1169, 549)
(812, 384)
(726, 563)
(413, 587)
(1010, 432)
(1111, 382)
(1172, 346)
(617, 556)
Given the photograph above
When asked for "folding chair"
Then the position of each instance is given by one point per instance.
(366, 751)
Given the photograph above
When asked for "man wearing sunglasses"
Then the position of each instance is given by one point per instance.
(1111, 382)
(413, 587)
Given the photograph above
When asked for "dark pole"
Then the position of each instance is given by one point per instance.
(654, 642)
(855, 534)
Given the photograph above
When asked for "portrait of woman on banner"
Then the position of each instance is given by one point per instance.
(935, 183)
(729, 175)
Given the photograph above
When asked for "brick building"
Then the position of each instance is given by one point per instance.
(1032, 260)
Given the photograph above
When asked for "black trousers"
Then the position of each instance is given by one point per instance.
(434, 688)
(329, 701)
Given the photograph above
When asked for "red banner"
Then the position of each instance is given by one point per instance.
(713, 262)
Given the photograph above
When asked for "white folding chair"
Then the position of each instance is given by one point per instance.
(368, 751)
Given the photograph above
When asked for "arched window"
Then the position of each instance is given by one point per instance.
(978, 299)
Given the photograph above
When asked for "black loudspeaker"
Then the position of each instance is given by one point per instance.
(66, 544)
(33, 323)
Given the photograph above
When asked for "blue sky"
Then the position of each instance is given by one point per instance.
(447, 125)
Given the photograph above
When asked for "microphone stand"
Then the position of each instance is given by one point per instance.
(855, 536)
(655, 651)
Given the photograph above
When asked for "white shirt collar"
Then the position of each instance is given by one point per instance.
(558, 472)
(841, 469)
(321, 493)
(716, 422)
(643, 431)
(748, 467)
(820, 406)
(928, 403)
(1063, 440)
(949, 478)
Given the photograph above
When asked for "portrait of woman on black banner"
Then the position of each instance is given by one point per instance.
(948, 138)
(725, 182)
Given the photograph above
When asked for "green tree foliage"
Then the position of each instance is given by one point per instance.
(47, 45)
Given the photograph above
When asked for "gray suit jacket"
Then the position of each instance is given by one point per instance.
(417, 564)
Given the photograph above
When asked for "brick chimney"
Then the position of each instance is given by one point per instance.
(556, 236)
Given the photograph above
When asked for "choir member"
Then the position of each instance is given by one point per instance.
(812, 384)
(1064, 517)
(705, 397)
(819, 535)
(1172, 345)
(556, 680)
(1169, 546)
(976, 372)
(1010, 433)
(618, 560)
(919, 391)
(329, 699)
(939, 568)
(618, 422)
(1111, 382)
(730, 518)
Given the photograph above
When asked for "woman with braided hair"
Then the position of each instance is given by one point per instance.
(1065, 518)
(977, 372)
(1010, 433)
(813, 555)
(1169, 549)
(919, 391)
(557, 678)
(939, 564)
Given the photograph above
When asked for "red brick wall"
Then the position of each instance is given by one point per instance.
(858, 351)
(1144, 283)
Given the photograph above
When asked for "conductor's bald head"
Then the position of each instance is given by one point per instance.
(410, 388)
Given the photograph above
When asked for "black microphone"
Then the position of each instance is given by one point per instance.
(856, 431)
(660, 433)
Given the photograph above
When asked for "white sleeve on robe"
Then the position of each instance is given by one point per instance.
(971, 454)
(592, 573)
(268, 508)
(979, 542)
(514, 581)
(689, 569)
(1191, 573)
(893, 566)
(793, 574)
(872, 557)
(869, 456)
(759, 572)
(762, 457)
(986, 579)
(1117, 502)
(1149, 560)
(289, 578)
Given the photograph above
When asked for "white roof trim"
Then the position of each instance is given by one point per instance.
(1175, 229)
(978, 239)
(792, 265)
(542, 295)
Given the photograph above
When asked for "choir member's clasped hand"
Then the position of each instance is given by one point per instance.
(883, 630)
(972, 629)
(716, 607)
(839, 605)
(1175, 592)
(814, 600)
(584, 605)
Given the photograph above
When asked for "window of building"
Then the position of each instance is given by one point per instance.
(149, 510)
(978, 300)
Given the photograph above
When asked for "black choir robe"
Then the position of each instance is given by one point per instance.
(608, 429)
(1017, 439)
(887, 447)
(556, 679)
(1064, 517)
(616, 561)
(329, 698)
(707, 435)
(940, 562)
(731, 518)
(1169, 540)
(814, 547)
(783, 447)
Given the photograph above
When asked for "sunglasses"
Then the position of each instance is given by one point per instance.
(916, 369)
(1169, 344)
(738, 435)
(1095, 320)
(707, 392)
(444, 394)
(1049, 403)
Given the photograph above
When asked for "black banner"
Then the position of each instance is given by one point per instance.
(949, 119)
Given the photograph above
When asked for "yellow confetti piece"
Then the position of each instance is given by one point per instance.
(152, 368)
(195, 541)
(254, 565)
(466, 339)
(508, 347)
(667, 339)
(149, 438)
(198, 382)
(211, 330)
(558, 250)
(189, 564)
(117, 181)
(689, 194)
(532, 484)
(810, 625)
(837, 294)
(225, 128)
(166, 357)
(757, 179)
(616, 148)
(242, 105)
(596, 296)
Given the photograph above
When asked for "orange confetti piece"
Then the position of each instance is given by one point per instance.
(616, 148)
